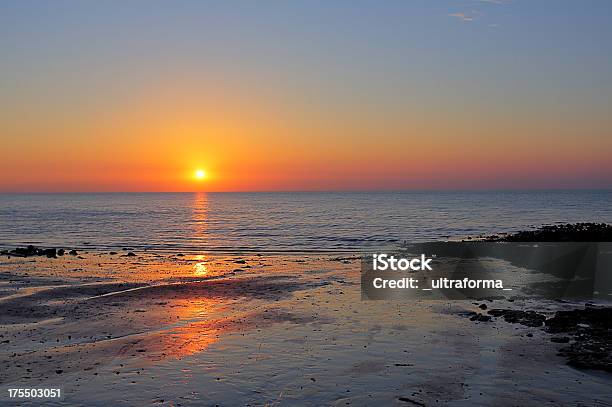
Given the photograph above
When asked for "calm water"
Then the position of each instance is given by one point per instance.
(281, 221)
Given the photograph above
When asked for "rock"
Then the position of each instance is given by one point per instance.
(527, 318)
(73, 252)
(590, 329)
(411, 401)
(570, 232)
(480, 318)
(580, 319)
(25, 251)
(112, 253)
(590, 352)
(482, 306)
(34, 251)
(131, 254)
(51, 253)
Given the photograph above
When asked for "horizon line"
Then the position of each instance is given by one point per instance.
(318, 191)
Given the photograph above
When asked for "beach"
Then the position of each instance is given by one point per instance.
(305, 203)
(263, 329)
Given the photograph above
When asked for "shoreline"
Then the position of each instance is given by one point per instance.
(285, 329)
(559, 232)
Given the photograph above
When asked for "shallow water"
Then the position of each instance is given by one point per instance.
(263, 330)
(266, 222)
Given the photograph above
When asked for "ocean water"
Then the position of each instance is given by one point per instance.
(282, 222)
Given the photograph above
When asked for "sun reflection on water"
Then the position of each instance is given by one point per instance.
(200, 218)
(199, 269)
(201, 324)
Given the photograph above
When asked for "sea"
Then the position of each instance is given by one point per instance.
(283, 221)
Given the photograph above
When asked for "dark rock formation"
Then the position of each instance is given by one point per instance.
(591, 329)
(480, 317)
(598, 318)
(590, 351)
(527, 318)
(570, 232)
(51, 253)
(588, 332)
(25, 251)
(35, 251)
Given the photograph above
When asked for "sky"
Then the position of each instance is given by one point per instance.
(305, 95)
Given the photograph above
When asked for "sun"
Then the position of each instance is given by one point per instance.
(200, 174)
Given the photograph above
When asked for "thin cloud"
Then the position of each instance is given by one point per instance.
(465, 16)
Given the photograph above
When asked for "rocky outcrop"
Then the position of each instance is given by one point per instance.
(588, 332)
(569, 232)
(591, 331)
(35, 251)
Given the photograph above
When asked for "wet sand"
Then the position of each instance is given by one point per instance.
(161, 329)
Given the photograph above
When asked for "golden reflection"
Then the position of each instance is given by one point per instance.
(203, 328)
(199, 269)
(200, 219)
(204, 324)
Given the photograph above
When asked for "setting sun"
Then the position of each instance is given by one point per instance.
(200, 174)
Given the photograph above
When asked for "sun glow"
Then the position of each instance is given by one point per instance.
(200, 174)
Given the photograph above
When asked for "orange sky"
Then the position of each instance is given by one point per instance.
(155, 142)
(301, 106)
